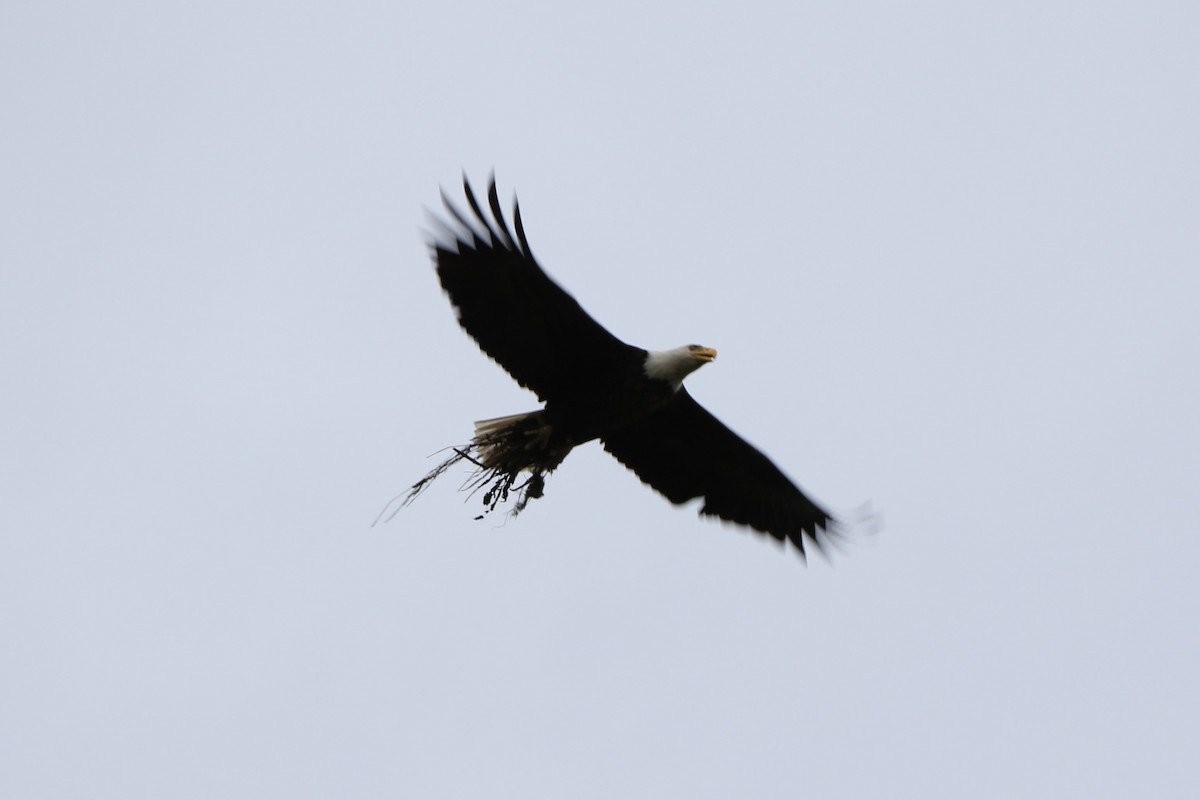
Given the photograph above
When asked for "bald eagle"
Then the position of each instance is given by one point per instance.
(594, 386)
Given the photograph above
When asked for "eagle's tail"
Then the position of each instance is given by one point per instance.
(502, 449)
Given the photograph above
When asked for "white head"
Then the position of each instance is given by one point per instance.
(675, 365)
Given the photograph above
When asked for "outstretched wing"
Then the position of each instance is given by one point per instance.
(683, 452)
(511, 308)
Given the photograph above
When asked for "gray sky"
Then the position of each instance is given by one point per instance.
(949, 254)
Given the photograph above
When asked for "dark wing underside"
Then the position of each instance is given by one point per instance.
(518, 316)
(683, 452)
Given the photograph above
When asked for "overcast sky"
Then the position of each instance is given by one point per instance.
(949, 254)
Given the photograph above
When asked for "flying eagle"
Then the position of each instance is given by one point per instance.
(594, 386)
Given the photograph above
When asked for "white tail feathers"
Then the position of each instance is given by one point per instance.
(488, 427)
(503, 448)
